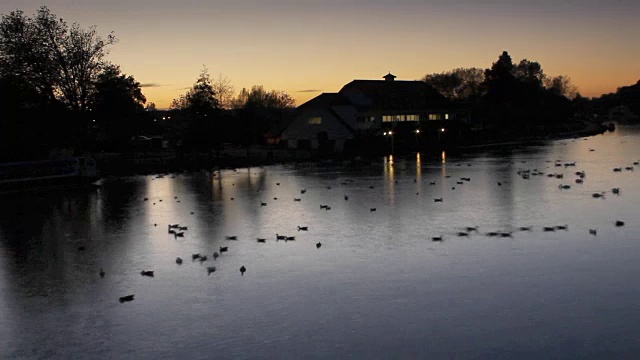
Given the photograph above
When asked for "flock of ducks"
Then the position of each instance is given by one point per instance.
(177, 230)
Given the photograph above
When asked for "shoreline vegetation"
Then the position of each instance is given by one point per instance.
(232, 157)
(50, 112)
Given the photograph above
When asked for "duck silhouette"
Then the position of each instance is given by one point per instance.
(126, 298)
(243, 270)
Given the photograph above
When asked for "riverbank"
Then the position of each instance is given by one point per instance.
(114, 164)
(587, 129)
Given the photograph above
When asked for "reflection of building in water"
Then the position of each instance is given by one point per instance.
(418, 168)
(390, 177)
(390, 113)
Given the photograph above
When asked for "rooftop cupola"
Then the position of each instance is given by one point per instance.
(389, 77)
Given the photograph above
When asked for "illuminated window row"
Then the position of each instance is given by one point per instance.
(438, 116)
(392, 118)
(317, 120)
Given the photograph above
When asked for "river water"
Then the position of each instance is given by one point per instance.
(378, 287)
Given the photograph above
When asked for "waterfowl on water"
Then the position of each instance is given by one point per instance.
(260, 240)
(146, 273)
(549, 228)
(346, 197)
(126, 298)
(203, 258)
(372, 209)
(462, 233)
(318, 244)
(195, 256)
(619, 223)
(593, 231)
(178, 261)
(242, 269)
(280, 237)
(562, 227)
(471, 228)
(234, 237)
(303, 191)
(616, 191)
(101, 273)
(597, 195)
(178, 234)
(210, 269)
(303, 228)
(296, 199)
(290, 238)
(437, 200)
(525, 228)
(224, 249)
(215, 255)
(263, 204)
(436, 238)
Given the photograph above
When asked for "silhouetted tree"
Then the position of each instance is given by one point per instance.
(458, 84)
(200, 99)
(151, 106)
(261, 111)
(529, 72)
(223, 92)
(200, 109)
(561, 85)
(500, 79)
(62, 62)
(116, 104)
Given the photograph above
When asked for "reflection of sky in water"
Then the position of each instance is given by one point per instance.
(378, 287)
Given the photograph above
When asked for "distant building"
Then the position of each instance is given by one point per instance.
(370, 109)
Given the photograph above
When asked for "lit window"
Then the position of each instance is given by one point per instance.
(446, 116)
(434, 117)
(387, 118)
(315, 120)
(412, 117)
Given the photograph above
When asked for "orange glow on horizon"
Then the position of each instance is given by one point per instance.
(306, 48)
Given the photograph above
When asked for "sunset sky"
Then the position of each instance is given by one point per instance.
(306, 47)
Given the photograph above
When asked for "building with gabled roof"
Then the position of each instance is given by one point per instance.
(367, 109)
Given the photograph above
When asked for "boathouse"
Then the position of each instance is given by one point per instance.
(371, 110)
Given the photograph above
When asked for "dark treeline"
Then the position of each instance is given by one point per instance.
(511, 100)
(59, 95)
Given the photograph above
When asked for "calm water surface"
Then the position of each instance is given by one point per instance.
(378, 287)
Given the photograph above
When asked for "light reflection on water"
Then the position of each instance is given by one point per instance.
(377, 288)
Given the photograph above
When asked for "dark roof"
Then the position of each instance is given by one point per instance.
(394, 95)
(326, 99)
